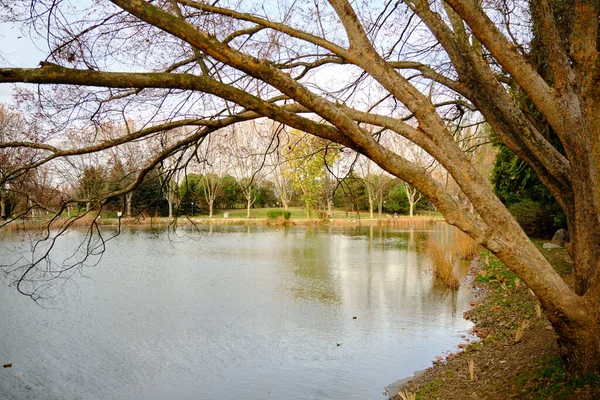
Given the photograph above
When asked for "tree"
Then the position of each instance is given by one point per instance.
(516, 183)
(190, 193)
(431, 62)
(266, 194)
(413, 196)
(370, 181)
(308, 158)
(15, 180)
(92, 187)
(396, 200)
(281, 171)
(148, 197)
(352, 194)
(231, 194)
(212, 168)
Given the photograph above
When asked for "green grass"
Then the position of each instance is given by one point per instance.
(551, 382)
(297, 213)
(428, 391)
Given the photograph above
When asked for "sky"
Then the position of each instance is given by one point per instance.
(17, 50)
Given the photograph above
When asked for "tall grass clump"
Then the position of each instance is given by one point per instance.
(406, 395)
(466, 247)
(443, 270)
(471, 365)
(521, 330)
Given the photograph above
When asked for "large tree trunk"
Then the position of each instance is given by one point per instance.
(579, 341)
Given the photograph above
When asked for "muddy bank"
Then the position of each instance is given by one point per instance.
(516, 357)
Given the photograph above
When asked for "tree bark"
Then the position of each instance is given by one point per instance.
(579, 343)
(128, 199)
(2, 206)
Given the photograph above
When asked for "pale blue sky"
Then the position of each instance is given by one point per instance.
(17, 50)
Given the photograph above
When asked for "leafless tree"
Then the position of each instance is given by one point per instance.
(189, 63)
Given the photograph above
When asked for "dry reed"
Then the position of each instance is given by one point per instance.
(521, 330)
(538, 311)
(443, 270)
(406, 395)
(517, 282)
(18, 225)
(471, 364)
(466, 248)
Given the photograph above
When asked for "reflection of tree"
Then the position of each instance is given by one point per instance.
(315, 281)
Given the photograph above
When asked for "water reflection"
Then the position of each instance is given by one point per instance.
(240, 311)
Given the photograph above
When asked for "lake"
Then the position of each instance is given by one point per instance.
(232, 312)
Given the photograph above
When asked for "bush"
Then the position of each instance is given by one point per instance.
(535, 220)
(274, 214)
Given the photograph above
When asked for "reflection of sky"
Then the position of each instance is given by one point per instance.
(224, 317)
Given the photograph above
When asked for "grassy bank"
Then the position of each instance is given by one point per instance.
(516, 357)
(224, 217)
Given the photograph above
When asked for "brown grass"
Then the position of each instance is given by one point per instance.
(471, 364)
(538, 311)
(410, 222)
(443, 270)
(521, 330)
(466, 248)
(406, 395)
(19, 225)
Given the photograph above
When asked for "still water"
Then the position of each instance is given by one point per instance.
(233, 313)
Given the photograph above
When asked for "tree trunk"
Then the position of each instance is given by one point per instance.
(210, 209)
(249, 204)
(380, 205)
(170, 203)
(579, 344)
(2, 205)
(128, 198)
(411, 207)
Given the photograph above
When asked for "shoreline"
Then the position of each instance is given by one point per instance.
(504, 364)
(417, 222)
(394, 388)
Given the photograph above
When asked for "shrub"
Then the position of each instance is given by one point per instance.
(275, 214)
(533, 218)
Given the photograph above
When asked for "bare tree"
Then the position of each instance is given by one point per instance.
(245, 145)
(213, 168)
(211, 66)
